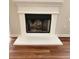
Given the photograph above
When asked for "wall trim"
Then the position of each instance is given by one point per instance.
(63, 35)
(14, 35)
(59, 35)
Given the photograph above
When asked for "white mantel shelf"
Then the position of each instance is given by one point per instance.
(38, 0)
(49, 2)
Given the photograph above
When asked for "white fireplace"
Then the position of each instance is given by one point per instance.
(38, 22)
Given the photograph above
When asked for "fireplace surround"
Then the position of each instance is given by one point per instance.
(38, 22)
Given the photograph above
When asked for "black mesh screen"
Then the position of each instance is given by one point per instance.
(38, 23)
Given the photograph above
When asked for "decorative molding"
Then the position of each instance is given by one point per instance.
(56, 1)
(59, 35)
(37, 10)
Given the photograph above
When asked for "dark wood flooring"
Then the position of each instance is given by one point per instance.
(40, 52)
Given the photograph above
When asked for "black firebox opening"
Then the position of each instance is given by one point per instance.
(38, 23)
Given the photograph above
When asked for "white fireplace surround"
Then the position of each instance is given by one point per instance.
(35, 7)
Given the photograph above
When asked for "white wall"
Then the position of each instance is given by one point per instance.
(62, 26)
(63, 21)
(14, 19)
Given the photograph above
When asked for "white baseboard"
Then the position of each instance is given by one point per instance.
(59, 35)
(63, 35)
(13, 35)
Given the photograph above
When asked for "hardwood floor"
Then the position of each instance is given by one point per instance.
(41, 52)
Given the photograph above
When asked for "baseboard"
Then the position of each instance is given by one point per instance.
(63, 35)
(14, 35)
(59, 35)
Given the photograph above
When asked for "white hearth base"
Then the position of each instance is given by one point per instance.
(50, 40)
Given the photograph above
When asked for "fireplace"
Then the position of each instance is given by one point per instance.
(38, 23)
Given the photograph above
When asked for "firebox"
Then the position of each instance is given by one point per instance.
(38, 23)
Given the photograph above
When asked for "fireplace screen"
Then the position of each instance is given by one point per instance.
(38, 23)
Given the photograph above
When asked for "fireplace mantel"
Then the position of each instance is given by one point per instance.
(38, 7)
(38, 1)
